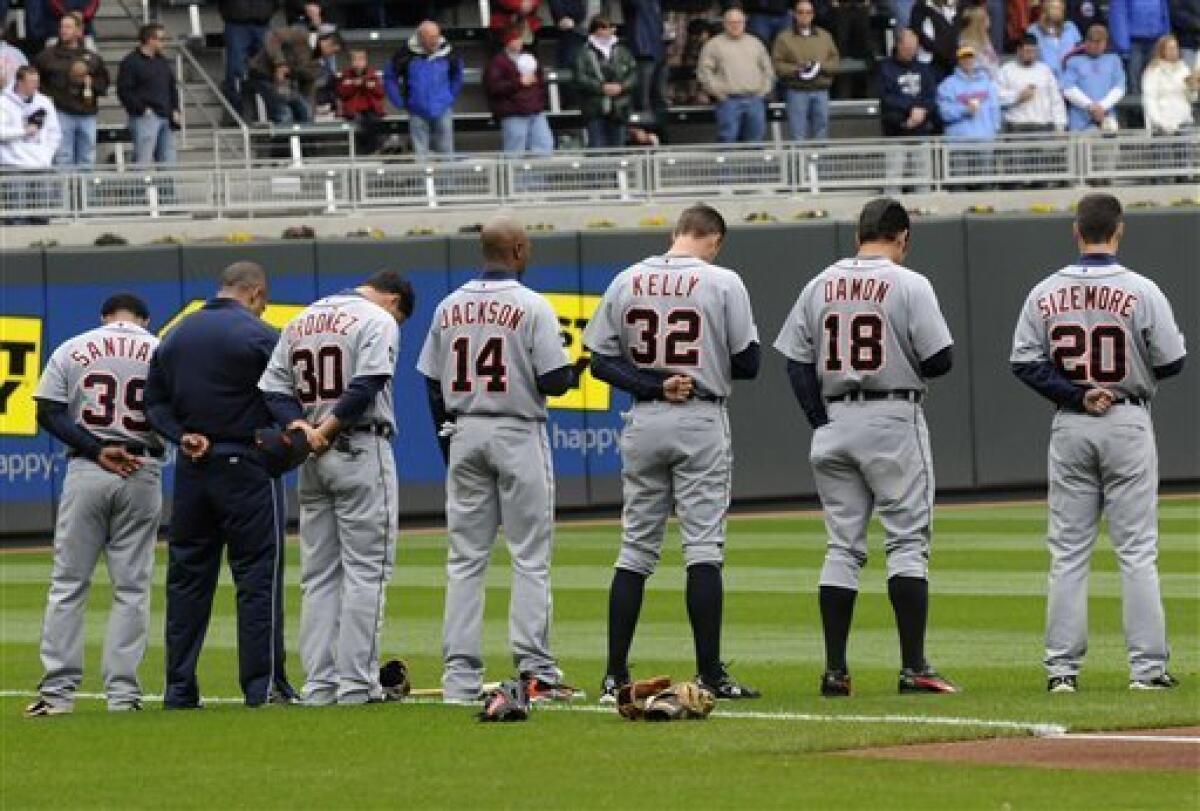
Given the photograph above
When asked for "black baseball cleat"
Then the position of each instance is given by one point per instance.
(1164, 682)
(132, 706)
(926, 680)
(43, 709)
(1062, 684)
(723, 685)
(835, 684)
(610, 687)
(284, 694)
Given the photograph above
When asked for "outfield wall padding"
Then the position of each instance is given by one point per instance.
(988, 430)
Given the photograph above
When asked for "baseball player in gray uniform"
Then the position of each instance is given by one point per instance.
(861, 341)
(493, 353)
(1095, 338)
(331, 375)
(675, 331)
(90, 398)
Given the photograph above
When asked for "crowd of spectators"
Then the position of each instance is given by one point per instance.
(968, 69)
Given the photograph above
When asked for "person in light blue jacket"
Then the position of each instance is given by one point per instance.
(1136, 25)
(968, 100)
(1093, 82)
(1057, 36)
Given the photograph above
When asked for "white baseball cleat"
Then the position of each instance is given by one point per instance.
(1062, 684)
(1163, 682)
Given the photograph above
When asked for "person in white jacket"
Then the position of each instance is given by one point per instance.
(1029, 93)
(29, 137)
(1168, 89)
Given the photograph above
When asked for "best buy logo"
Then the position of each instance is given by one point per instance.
(20, 365)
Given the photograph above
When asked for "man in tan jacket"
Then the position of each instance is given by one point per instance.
(806, 59)
(735, 69)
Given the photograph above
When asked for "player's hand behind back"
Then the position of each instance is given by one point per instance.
(1097, 401)
(194, 446)
(678, 388)
(119, 461)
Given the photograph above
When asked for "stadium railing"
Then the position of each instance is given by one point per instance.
(773, 169)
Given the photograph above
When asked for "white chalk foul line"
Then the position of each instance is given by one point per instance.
(1100, 736)
(1040, 729)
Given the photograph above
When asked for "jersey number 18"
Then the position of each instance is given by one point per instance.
(864, 343)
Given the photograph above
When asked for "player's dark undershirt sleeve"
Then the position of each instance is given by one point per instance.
(556, 381)
(1168, 369)
(744, 365)
(285, 408)
(357, 397)
(437, 410)
(1045, 378)
(646, 384)
(938, 363)
(807, 388)
(52, 416)
(158, 401)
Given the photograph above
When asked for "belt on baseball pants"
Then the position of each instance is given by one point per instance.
(703, 397)
(132, 448)
(378, 429)
(1137, 401)
(862, 395)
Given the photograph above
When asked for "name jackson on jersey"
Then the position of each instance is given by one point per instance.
(486, 312)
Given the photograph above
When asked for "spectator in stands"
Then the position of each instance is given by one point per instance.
(325, 91)
(735, 70)
(936, 25)
(1168, 89)
(425, 77)
(519, 14)
(306, 14)
(969, 100)
(11, 58)
(1185, 25)
(644, 24)
(907, 91)
(1135, 26)
(805, 60)
(1032, 99)
(765, 19)
(86, 9)
(688, 30)
(605, 76)
(75, 78)
(570, 18)
(146, 87)
(1085, 13)
(245, 29)
(1057, 37)
(29, 137)
(516, 91)
(360, 95)
(1093, 82)
(976, 25)
(853, 35)
(284, 75)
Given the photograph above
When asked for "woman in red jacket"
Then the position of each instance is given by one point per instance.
(516, 91)
(360, 97)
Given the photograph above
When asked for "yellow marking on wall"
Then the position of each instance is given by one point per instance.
(277, 315)
(20, 366)
(574, 311)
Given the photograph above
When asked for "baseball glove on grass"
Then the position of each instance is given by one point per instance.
(282, 450)
(508, 702)
(393, 678)
(657, 699)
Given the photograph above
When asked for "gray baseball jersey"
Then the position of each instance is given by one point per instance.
(333, 341)
(867, 323)
(101, 376)
(677, 314)
(1102, 324)
(488, 343)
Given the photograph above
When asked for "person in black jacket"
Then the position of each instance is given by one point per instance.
(766, 18)
(1185, 25)
(245, 27)
(147, 90)
(570, 18)
(935, 22)
(907, 91)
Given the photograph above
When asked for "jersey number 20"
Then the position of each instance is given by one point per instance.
(1097, 355)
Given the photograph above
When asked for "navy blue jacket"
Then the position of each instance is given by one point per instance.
(644, 28)
(903, 86)
(204, 376)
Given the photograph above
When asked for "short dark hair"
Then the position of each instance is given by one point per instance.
(149, 30)
(244, 275)
(1097, 217)
(24, 71)
(700, 220)
(598, 22)
(884, 218)
(392, 281)
(125, 301)
(336, 39)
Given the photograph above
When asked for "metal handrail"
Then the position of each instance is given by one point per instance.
(238, 121)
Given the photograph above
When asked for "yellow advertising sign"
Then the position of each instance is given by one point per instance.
(277, 315)
(574, 311)
(20, 365)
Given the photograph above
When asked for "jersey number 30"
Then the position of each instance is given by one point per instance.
(319, 375)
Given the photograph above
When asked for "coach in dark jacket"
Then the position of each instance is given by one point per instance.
(246, 24)
(202, 394)
(907, 91)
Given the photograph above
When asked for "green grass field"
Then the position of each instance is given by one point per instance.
(988, 583)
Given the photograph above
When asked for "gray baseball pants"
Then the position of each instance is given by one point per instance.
(874, 455)
(1108, 465)
(348, 524)
(675, 455)
(499, 474)
(101, 513)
